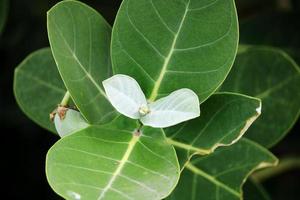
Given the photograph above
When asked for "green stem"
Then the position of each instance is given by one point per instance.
(285, 164)
(188, 147)
(66, 99)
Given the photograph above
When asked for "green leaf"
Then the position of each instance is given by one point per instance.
(253, 190)
(113, 162)
(172, 44)
(221, 175)
(80, 42)
(271, 75)
(38, 87)
(224, 119)
(4, 4)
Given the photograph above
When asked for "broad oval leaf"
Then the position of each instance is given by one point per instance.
(70, 122)
(181, 105)
(272, 76)
(172, 44)
(225, 117)
(113, 162)
(125, 95)
(80, 42)
(221, 175)
(38, 87)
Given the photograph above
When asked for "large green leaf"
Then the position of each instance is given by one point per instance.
(271, 75)
(171, 44)
(80, 42)
(224, 119)
(113, 162)
(38, 87)
(221, 175)
(3, 13)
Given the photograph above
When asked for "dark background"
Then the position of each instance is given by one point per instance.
(24, 145)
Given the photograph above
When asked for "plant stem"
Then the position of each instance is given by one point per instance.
(66, 99)
(286, 164)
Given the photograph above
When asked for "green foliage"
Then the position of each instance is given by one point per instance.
(224, 119)
(272, 76)
(38, 87)
(195, 47)
(222, 173)
(164, 45)
(113, 162)
(80, 39)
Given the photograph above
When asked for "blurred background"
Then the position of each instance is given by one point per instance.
(24, 144)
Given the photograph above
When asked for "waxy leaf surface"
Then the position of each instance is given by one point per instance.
(272, 76)
(221, 174)
(225, 117)
(38, 87)
(172, 44)
(113, 162)
(80, 42)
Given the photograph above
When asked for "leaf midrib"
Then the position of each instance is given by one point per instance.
(123, 161)
(78, 61)
(157, 84)
(267, 92)
(42, 82)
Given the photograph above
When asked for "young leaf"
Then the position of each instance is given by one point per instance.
(128, 98)
(125, 95)
(221, 175)
(225, 117)
(69, 122)
(80, 42)
(38, 87)
(272, 76)
(113, 162)
(171, 44)
(181, 105)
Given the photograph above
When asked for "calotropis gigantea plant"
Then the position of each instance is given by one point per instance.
(163, 46)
